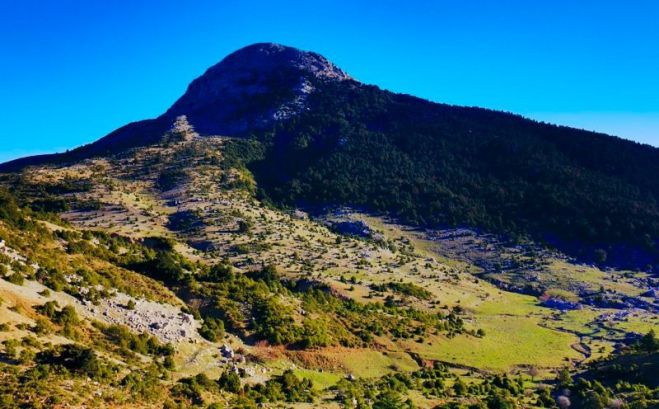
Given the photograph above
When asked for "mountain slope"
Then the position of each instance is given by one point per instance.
(331, 140)
(135, 242)
(434, 164)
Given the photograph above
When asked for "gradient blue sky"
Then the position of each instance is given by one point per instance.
(72, 71)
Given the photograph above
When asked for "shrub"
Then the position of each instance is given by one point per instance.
(244, 226)
(212, 329)
(144, 385)
(9, 210)
(648, 342)
(287, 387)
(11, 347)
(130, 305)
(42, 326)
(144, 343)
(315, 334)
(49, 309)
(218, 273)
(388, 400)
(229, 381)
(67, 316)
(273, 321)
(74, 358)
(26, 356)
(168, 363)
(16, 278)
(500, 399)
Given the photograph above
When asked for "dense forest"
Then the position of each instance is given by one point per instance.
(594, 196)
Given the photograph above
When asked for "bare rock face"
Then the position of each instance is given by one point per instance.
(253, 87)
(251, 70)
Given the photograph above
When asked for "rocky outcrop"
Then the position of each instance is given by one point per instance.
(182, 130)
(164, 321)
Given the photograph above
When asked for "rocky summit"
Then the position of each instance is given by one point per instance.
(253, 87)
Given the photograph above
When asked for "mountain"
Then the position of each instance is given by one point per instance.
(164, 266)
(320, 138)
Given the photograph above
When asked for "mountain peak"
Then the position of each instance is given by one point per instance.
(252, 87)
(273, 56)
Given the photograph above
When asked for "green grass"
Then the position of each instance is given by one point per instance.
(564, 275)
(577, 321)
(641, 324)
(321, 380)
(505, 303)
(371, 364)
(509, 342)
(513, 336)
(562, 294)
(362, 363)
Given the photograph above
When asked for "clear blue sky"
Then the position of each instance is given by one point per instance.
(72, 71)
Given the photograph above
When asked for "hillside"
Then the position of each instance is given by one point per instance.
(593, 196)
(330, 140)
(136, 241)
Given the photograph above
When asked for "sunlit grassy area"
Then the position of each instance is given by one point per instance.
(509, 341)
